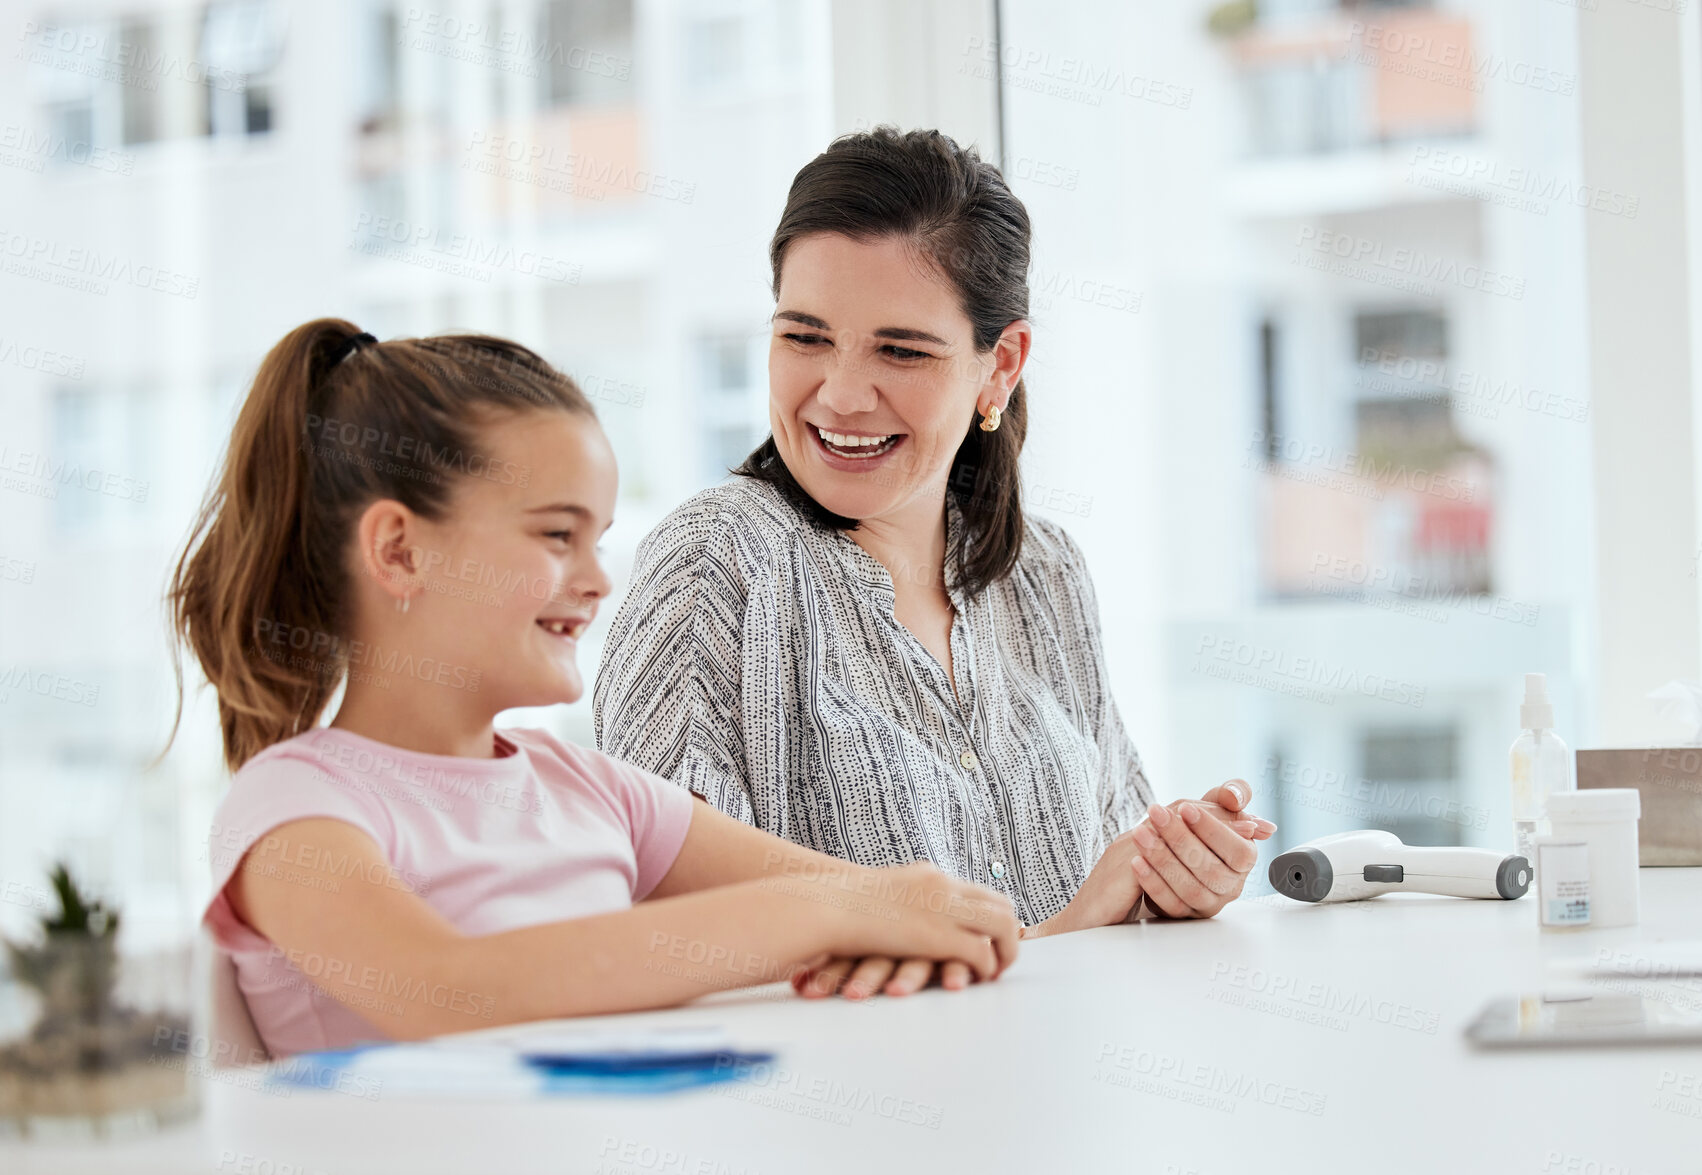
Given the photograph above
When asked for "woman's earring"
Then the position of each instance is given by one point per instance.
(402, 604)
(990, 422)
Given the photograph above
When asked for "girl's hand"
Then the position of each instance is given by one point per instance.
(913, 912)
(846, 900)
(1189, 862)
(858, 979)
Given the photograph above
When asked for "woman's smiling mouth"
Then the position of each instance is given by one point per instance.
(844, 450)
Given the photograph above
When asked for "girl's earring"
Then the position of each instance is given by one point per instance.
(990, 422)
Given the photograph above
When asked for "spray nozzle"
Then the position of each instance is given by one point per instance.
(1537, 712)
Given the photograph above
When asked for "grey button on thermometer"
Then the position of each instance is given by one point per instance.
(1385, 873)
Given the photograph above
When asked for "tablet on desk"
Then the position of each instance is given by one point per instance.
(1582, 1018)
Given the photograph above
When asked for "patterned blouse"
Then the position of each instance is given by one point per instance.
(756, 660)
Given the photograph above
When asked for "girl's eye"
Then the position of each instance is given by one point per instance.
(804, 340)
(565, 536)
(905, 353)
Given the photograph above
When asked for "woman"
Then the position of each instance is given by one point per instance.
(862, 643)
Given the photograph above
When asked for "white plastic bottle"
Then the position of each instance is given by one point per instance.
(1540, 767)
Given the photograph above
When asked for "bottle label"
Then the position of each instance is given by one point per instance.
(1563, 882)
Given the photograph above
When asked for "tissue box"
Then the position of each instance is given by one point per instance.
(1669, 780)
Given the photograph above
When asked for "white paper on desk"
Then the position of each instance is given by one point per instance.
(464, 1069)
(1640, 960)
(600, 1042)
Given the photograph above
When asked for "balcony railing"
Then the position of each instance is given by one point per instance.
(1344, 81)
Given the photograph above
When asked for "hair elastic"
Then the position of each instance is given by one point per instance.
(354, 344)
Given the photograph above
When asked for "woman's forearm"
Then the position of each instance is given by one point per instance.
(1082, 915)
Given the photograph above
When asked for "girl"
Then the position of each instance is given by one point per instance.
(417, 521)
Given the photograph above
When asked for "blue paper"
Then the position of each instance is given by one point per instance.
(576, 1063)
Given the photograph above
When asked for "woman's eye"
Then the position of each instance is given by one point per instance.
(565, 536)
(905, 353)
(804, 340)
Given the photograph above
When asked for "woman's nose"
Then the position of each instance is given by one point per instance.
(846, 395)
(846, 388)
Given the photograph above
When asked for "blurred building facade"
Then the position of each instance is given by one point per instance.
(1354, 416)
(597, 178)
(1308, 384)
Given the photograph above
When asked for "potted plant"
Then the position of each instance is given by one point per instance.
(89, 1053)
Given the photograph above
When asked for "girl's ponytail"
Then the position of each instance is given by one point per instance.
(260, 590)
(242, 569)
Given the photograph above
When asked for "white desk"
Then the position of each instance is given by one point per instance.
(1024, 1074)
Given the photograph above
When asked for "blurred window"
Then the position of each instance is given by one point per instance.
(587, 52)
(732, 405)
(242, 42)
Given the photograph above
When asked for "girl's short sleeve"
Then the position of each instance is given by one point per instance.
(659, 816)
(272, 790)
(656, 813)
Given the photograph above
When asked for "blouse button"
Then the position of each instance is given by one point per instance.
(998, 870)
(969, 761)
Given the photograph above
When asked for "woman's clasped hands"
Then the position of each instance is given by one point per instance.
(1185, 859)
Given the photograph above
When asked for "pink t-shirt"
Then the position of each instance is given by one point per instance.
(544, 832)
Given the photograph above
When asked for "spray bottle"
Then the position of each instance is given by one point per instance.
(1540, 764)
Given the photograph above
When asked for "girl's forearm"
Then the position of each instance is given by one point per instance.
(719, 850)
(384, 953)
(654, 955)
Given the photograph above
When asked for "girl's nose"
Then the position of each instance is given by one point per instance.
(594, 583)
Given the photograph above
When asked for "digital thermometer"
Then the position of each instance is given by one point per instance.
(1364, 864)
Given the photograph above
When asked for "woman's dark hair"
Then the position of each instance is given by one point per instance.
(334, 422)
(955, 209)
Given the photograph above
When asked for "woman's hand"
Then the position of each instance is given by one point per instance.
(1228, 801)
(915, 913)
(1189, 863)
(1114, 890)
